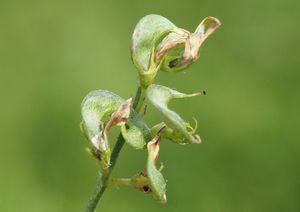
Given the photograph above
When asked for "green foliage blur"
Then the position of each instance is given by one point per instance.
(53, 52)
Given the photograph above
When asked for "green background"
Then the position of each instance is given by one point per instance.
(53, 52)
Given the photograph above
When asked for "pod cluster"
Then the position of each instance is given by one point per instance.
(157, 44)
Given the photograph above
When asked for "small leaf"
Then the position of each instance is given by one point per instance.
(156, 179)
(177, 130)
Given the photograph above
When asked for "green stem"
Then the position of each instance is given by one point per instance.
(139, 102)
(103, 180)
(120, 181)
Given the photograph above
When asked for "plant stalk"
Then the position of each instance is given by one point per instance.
(103, 180)
(120, 181)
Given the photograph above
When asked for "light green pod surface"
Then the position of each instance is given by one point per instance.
(157, 181)
(135, 131)
(159, 96)
(96, 109)
(146, 33)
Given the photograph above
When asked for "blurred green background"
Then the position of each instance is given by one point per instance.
(53, 52)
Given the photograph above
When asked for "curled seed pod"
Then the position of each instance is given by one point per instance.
(158, 43)
(177, 130)
(180, 48)
(103, 109)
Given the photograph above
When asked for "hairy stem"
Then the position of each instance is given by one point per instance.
(103, 180)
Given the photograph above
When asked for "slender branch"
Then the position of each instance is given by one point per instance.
(120, 181)
(139, 102)
(102, 181)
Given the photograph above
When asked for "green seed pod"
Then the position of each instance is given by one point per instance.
(147, 34)
(103, 109)
(177, 130)
(96, 108)
(148, 31)
(156, 179)
(158, 43)
(135, 131)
